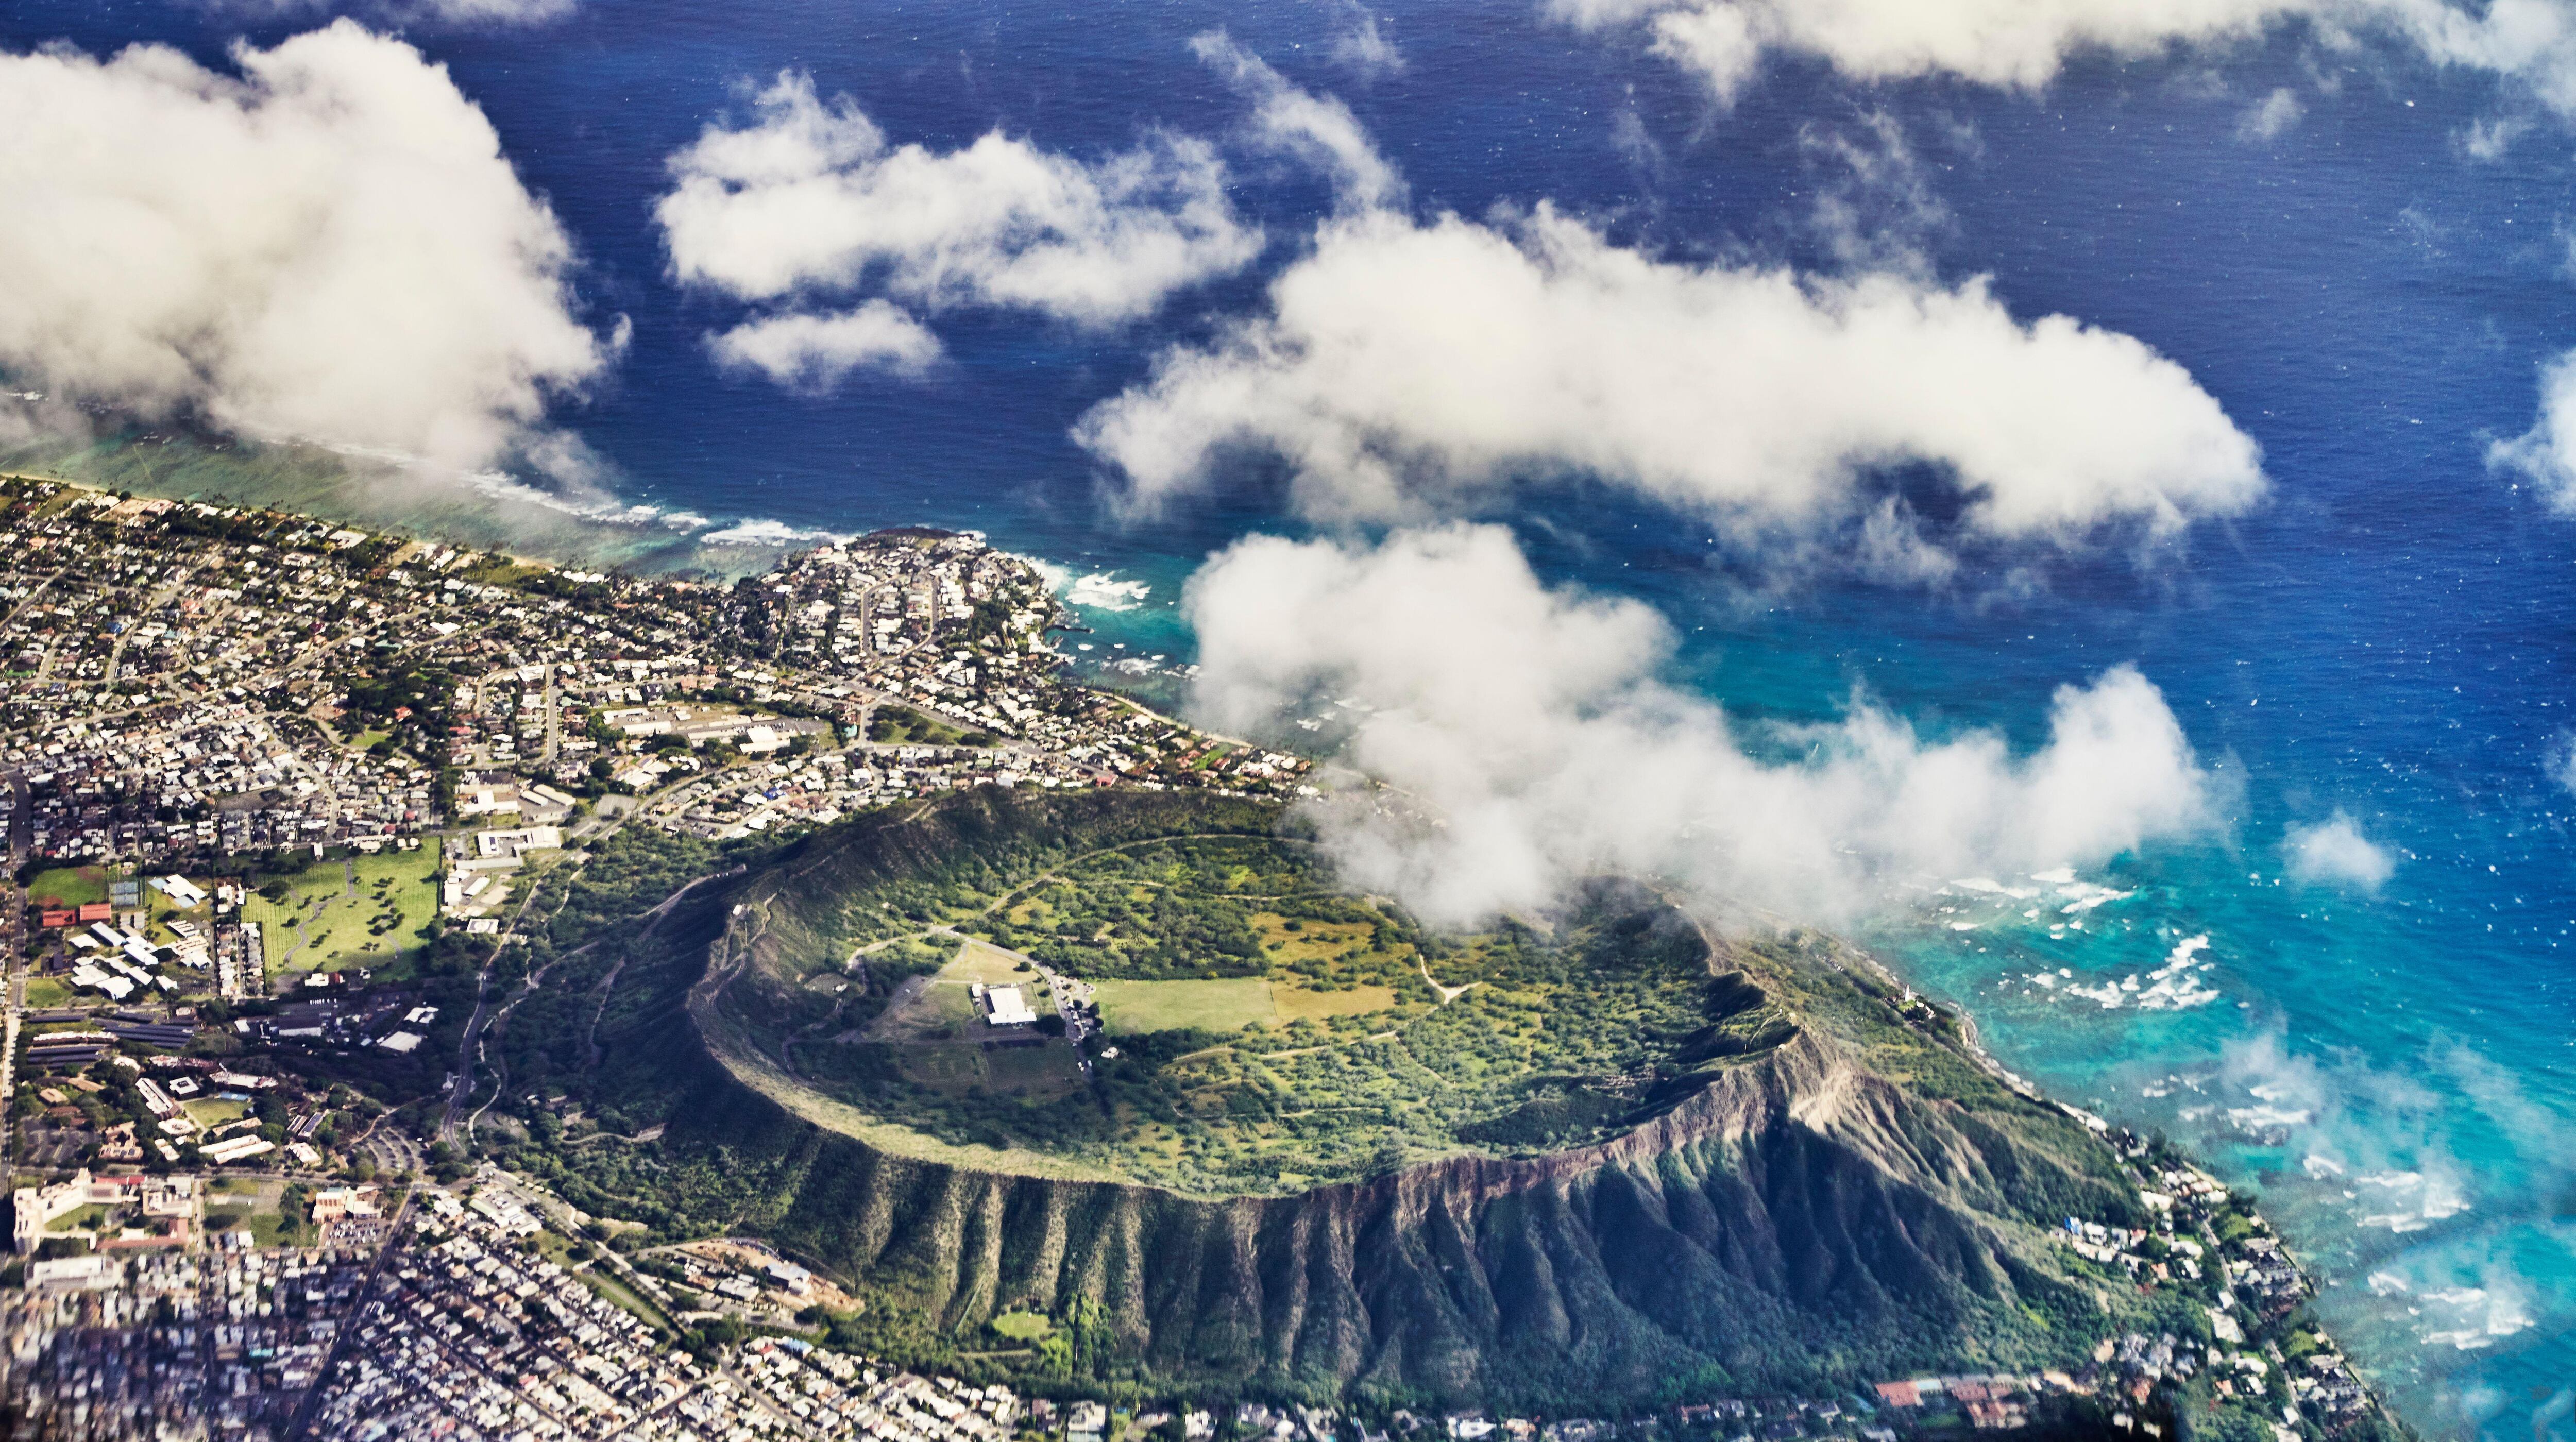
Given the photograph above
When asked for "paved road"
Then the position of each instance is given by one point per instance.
(13, 964)
(303, 1421)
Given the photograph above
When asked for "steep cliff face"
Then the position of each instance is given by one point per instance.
(1855, 1197)
(1799, 1219)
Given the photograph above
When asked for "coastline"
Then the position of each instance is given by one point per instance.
(501, 516)
(1966, 1037)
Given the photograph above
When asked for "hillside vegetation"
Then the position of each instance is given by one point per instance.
(1817, 1188)
(1266, 1033)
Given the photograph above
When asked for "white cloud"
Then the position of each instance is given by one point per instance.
(330, 245)
(1362, 45)
(1408, 371)
(1874, 206)
(814, 353)
(2489, 140)
(1318, 129)
(2546, 454)
(404, 12)
(519, 12)
(811, 199)
(2023, 44)
(1531, 726)
(2334, 851)
(2561, 763)
(2272, 117)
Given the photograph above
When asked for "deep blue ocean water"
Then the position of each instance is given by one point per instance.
(2387, 635)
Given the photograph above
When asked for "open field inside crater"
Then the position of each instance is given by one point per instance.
(1255, 1027)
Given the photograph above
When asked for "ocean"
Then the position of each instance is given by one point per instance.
(2385, 636)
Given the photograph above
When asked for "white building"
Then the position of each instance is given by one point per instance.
(1005, 1006)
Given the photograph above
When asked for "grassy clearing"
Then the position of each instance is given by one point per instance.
(955, 1070)
(1303, 941)
(269, 1229)
(360, 912)
(978, 961)
(1022, 1326)
(903, 726)
(209, 1112)
(618, 1294)
(937, 1012)
(555, 1247)
(78, 1219)
(63, 886)
(1231, 1004)
(1031, 1072)
(1047, 1070)
(1297, 1003)
(44, 992)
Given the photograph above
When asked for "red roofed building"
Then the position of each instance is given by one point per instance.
(97, 911)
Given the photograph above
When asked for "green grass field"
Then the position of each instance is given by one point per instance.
(1220, 1006)
(618, 1294)
(68, 886)
(79, 1219)
(395, 894)
(902, 726)
(980, 961)
(208, 1112)
(960, 1070)
(957, 1069)
(1032, 1070)
(268, 1229)
(1296, 1002)
(1022, 1326)
(44, 992)
(1132, 1007)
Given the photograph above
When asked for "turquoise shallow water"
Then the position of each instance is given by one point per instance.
(2387, 636)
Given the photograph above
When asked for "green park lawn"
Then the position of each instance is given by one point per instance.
(395, 894)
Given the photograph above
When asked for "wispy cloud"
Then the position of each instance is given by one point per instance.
(2272, 117)
(1362, 43)
(1318, 129)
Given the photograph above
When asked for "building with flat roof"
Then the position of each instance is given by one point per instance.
(1005, 1006)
